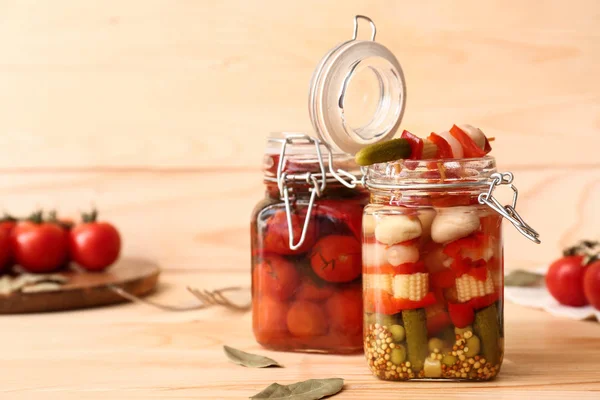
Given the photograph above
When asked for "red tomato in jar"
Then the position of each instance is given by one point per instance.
(591, 284)
(306, 319)
(276, 235)
(94, 245)
(39, 247)
(337, 258)
(275, 276)
(345, 311)
(311, 290)
(564, 281)
(269, 319)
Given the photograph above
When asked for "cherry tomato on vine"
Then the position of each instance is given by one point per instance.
(94, 245)
(337, 258)
(39, 246)
(565, 281)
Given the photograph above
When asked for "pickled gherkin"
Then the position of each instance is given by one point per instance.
(486, 327)
(391, 150)
(415, 326)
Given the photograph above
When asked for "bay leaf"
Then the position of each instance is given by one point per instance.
(312, 389)
(249, 359)
(523, 278)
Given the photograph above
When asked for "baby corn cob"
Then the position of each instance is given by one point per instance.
(379, 282)
(468, 287)
(411, 286)
(406, 286)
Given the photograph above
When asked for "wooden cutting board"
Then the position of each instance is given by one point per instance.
(85, 289)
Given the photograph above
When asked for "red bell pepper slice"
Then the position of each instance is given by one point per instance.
(461, 314)
(472, 242)
(443, 279)
(470, 148)
(416, 145)
(379, 301)
(444, 149)
(479, 273)
(382, 302)
(478, 303)
(409, 268)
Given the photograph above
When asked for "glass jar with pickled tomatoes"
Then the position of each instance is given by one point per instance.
(433, 269)
(306, 249)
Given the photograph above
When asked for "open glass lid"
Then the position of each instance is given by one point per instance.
(357, 94)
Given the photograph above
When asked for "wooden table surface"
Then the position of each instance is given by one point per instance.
(132, 351)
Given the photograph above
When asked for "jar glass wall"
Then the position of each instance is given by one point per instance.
(432, 272)
(309, 298)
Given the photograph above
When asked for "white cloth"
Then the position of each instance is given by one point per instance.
(539, 297)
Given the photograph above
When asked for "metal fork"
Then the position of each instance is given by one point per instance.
(208, 298)
(216, 297)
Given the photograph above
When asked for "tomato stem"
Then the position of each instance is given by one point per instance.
(89, 217)
(37, 217)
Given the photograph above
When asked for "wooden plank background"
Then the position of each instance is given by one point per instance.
(157, 110)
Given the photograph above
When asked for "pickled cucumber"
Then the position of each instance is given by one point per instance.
(397, 332)
(398, 354)
(415, 326)
(390, 150)
(486, 327)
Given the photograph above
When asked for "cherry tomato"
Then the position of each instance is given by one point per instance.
(276, 238)
(305, 319)
(565, 281)
(591, 284)
(5, 253)
(8, 225)
(39, 247)
(275, 276)
(337, 258)
(345, 311)
(311, 290)
(94, 245)
(269, 319)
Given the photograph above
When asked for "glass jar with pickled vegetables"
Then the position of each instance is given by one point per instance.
(432, 244)
(433, 268)
(306, 249)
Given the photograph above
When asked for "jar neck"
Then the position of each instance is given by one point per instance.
(430, 183)
(303, 192)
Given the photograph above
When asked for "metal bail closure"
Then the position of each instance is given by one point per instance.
(509, 211)
(357, 93)
(318, 181)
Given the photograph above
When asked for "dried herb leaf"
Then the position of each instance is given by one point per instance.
(312, 389)
(523, 278)
(248, 359)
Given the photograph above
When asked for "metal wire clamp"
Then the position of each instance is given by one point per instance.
(508, 211)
